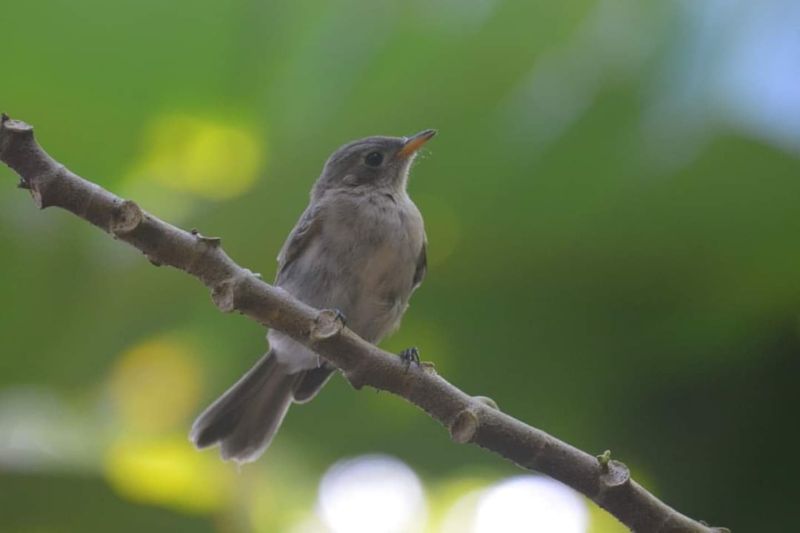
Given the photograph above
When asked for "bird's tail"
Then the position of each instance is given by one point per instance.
(245, 418)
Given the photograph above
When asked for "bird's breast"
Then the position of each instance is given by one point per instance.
(373, 246)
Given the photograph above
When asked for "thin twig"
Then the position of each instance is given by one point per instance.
(233, 288)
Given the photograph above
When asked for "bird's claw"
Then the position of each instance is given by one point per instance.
(410, 355)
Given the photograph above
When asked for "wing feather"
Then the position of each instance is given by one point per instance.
(304, 231)
(422, 265)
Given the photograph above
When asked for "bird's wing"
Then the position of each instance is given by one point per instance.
(422, 265)
(304, 231)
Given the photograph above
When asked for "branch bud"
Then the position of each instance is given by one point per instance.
(464, 426)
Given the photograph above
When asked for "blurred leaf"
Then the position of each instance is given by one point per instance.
(169, 473)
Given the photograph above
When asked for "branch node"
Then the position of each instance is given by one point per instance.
(615, 474)
(488, 402)
(603, 459)
(464, 426)
(210, 241)
(213, 242)
(13, 132)
(17, 126)
(428, 366)
(125, 218)
(328, 323)
(223, 295)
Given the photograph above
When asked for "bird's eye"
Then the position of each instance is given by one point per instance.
(374, 159)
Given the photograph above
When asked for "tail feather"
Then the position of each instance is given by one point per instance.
(245, 419)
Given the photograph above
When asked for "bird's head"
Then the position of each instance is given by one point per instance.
(372, 163)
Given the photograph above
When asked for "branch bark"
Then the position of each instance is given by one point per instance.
(233, 288)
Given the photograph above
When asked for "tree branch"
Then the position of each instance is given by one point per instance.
(233, 288)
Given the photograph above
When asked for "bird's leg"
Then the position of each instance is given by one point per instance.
(410, 355)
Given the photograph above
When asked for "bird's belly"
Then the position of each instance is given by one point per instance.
(370, 284)
(362, 266)
(384, 288)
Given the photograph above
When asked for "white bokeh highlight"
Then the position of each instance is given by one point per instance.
(372, 493)
(530, 504)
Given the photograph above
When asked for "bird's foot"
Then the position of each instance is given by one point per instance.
(340, 316)
(410, 355)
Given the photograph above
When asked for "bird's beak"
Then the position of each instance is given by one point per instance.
(415, 142)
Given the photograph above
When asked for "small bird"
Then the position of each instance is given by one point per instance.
(358, 248)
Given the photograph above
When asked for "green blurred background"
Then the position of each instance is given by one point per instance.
(612, 210)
